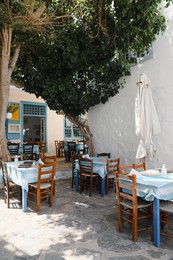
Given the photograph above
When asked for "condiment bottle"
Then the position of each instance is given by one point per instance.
(16, 158)
(164, 170)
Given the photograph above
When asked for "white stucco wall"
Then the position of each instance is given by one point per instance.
(113, 124)
(55, 123)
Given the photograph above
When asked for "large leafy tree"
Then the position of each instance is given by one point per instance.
(20, 20)
(80, 66)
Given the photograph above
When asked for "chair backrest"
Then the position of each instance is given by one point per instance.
(61, 144)
(125, 168)
(104, 155)
(86, 166)
(49, 159)
(5, 176)
(126, 188)
(75, 157)
(46, 173)
(80, 146)
(56, 144)
(140, 166)
(42, 149)
(28, 148)
(13, 148)
(113, 165)
(71, 146)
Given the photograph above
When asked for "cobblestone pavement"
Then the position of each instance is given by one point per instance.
(77, 227)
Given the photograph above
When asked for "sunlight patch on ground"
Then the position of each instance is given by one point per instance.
(41, 231)
(81, 204)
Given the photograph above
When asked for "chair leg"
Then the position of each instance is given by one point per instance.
(53, 187)
(120, 219)
(91, 183)
(72, 180)
(38, 200)
(8, 201)
(51, 197)
(107, 184)
(135, 225)
(81, 182)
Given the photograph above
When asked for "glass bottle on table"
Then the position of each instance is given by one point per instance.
(37, 154)
(164, 170)
(16, 158)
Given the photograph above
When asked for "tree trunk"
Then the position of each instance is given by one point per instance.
(7, 64)
(85, 130)
(8, 61)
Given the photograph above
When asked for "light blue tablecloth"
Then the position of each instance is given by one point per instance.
(99, 167)
(155, 188)
(158, 186)
(22, 176)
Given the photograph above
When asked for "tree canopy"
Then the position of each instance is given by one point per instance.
(78, 66)
(71, 52)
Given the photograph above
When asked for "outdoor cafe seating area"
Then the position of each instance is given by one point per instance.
(27, 150)
(142, 195)
(68, 149)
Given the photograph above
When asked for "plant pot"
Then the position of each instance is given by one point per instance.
(9, 115)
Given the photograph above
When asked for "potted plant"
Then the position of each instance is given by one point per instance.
(11, 109)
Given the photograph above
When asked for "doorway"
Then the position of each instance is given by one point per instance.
(34, 122)
(33, 128)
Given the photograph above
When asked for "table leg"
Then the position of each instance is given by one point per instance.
(24, 200)
(77, 180)
(102, 187)
(156, 221)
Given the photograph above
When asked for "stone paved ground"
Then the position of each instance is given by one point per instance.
(77, 227)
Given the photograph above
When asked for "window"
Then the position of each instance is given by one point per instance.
(134, 58)
(34, 109)
(72, 131)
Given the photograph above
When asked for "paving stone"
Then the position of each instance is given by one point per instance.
(138, 257)
(85, 253)
(77, 227)
(113, 242)
(50, 256)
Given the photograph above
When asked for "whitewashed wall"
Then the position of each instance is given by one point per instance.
(113, 124)
(55, 123)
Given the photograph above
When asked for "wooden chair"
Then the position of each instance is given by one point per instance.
(13, 149)
(125, 168)
(104, 155)
(51, 159)
(56, 148)
(11, 190)
(80, 147)
(14, 157)
(86, 172)
(112, 167)
(43, 188)
(166, 218)
(28, 152)
(71, 147)
(42, 149)
(59, 148)
(140, 166)
(74, 157)
(130, 208)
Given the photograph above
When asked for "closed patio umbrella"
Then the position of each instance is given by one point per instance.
(146, 119)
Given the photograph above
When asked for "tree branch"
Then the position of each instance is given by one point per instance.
(14, 60)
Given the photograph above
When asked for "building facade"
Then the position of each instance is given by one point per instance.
(33, 120)
(113, 124)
